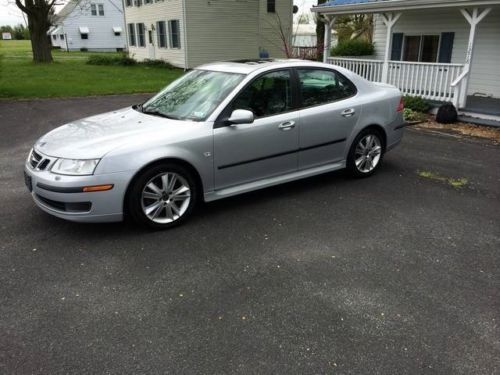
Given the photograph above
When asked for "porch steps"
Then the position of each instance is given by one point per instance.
(473, 118)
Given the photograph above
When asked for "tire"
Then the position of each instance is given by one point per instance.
(365, 158)
(162, 196)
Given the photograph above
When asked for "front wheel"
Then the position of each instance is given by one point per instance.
(366, 153)
(162, 196)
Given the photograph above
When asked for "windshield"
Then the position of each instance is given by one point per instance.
(193, 96)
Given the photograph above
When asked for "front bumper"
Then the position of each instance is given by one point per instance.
(60, 195)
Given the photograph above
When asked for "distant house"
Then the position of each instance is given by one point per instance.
(6, 36)
(95, 25)
(304, 40)
(188, 33)
(444, 51)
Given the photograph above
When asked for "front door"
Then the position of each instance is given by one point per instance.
(268, 146)
(328, 115)
(151, 45)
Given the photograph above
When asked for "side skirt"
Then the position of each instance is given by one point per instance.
(271, 181)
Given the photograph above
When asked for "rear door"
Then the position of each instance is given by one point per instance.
(329, 112)
(268, 146)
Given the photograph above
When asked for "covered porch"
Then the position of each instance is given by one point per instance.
(438, 79)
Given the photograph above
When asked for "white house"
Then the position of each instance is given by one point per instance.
(304, 35)
(445, 50)
(188, 33)
(93, 25)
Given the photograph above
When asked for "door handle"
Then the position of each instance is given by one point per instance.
(286, 125)
(348, 112)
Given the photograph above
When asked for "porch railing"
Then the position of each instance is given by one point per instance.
(431, 81)
(369, 69)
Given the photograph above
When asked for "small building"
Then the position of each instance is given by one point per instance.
(95, 25)
(188, 33)
(444, 51)
(6, 36)
(304, 40)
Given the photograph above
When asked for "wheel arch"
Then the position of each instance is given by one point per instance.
(379, 129)
(153, 163)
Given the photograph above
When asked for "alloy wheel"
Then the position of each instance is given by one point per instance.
(367, 153)
(165, 197)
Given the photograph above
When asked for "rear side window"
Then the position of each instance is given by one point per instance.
(320, 86)
(269, 94)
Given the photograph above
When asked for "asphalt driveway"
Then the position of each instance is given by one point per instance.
(395, 274)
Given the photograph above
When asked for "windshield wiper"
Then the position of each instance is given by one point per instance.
(138, 107)
(155, 112)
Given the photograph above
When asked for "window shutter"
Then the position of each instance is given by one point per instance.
(397, 46)
(446, 47)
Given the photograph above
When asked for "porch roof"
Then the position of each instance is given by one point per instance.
(339, 7)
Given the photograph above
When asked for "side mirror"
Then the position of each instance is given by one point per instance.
(240, 116)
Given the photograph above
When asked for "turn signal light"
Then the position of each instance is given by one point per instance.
(401, 105)
(88, 189)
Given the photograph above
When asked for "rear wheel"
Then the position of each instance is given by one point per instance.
(162, 196)
(366, 153)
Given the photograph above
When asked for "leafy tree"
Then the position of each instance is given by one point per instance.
(39, 13)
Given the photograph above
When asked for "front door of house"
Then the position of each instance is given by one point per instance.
(151, 45)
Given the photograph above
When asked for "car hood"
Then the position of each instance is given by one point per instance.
(93, 137)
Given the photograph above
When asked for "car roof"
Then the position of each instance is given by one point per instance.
(249, 66)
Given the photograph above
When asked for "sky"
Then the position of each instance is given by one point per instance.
(11, 15)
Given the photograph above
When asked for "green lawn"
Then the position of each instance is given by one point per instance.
(69, 75)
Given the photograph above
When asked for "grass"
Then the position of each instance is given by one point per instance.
(69, 75)
(455, 182)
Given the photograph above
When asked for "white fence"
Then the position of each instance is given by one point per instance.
(429, 80)
(369, 69)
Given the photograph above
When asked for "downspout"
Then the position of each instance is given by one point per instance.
(184, 23)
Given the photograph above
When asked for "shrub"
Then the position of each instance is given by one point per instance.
(416, 103)
(160, 63)
(412, 116)
(110, 60)
(353, 48)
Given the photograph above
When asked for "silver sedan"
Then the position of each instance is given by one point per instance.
(220, 130)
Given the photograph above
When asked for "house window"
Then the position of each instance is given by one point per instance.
(423, 48)
(54, 37)
(138, 3)
(161, 34)
(93, 9)
(271, 6)
(173, 30)
(141, 41)
(84, 35)
(131, 34)
(101, 9)
(128, 3)
(148, 1)
(61, 36)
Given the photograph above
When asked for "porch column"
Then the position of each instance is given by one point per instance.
(473, 18)
(389, 20)
(329, 22)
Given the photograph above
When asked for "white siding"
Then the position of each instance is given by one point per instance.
(485, 69)
(234, 29)
(149, 14)
(101, 36)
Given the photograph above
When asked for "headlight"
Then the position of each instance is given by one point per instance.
(74, 167)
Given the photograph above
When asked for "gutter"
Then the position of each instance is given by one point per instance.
(399, 5)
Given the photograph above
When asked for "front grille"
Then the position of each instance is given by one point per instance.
(65, 206)
(39, 162)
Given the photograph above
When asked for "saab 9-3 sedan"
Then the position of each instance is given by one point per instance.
(221, 129)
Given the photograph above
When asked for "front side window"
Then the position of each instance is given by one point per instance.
(61, 36)
(175, 39)
(161, 34)
(320, 86)
(131, 34)
(93, 9)
(101, 9)
(268, 95)
(84, 35)
(128, 3)
(141, 41)
(423, 48)
(54, 37)
(194, 96)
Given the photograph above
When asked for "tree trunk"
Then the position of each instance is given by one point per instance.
(320, 35)
(40, 43)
